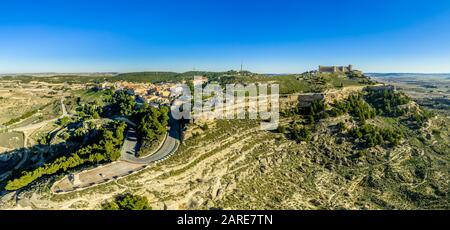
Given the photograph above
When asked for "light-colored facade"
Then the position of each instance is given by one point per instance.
(335, 69)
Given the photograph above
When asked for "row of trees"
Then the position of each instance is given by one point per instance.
(100, 145)
(25, 115)
(103, 148)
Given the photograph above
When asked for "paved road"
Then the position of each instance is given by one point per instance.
(170, 145)
(96, 176)
(127, 165)
(130, 144)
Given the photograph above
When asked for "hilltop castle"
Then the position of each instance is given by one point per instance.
(335, 69)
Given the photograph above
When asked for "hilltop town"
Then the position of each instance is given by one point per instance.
(344, 140)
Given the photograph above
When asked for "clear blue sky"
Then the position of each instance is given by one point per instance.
(268, 36)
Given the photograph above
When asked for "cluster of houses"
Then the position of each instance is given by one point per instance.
(154, 94)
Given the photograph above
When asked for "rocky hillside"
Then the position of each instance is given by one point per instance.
(368, 149)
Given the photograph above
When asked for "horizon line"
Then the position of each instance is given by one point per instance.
(168, 71)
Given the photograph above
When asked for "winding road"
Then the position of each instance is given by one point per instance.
(169, 146)
(128, 164)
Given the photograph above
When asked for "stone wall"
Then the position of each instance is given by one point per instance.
(335, 69)
(305, 100)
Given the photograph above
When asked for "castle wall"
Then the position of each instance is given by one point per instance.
(335, 69)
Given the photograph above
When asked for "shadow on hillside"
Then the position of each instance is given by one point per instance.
(13, 163)
(177, 127)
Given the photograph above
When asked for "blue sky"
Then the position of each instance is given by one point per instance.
(267, 36)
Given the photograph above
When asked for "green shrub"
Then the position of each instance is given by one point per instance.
(104, 148)
(371, 136)
(300, 134)
(127, 202)
(387, 101)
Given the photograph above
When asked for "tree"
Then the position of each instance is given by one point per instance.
(300, 133)
(127, 202)
(152, 122)
(64, 121)
(104, 147)
(79, 134)
(120, 130)
(310, 119)
(121, 103)
(95, 115)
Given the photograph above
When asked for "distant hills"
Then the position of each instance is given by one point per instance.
(409, 75)
(52, 74)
